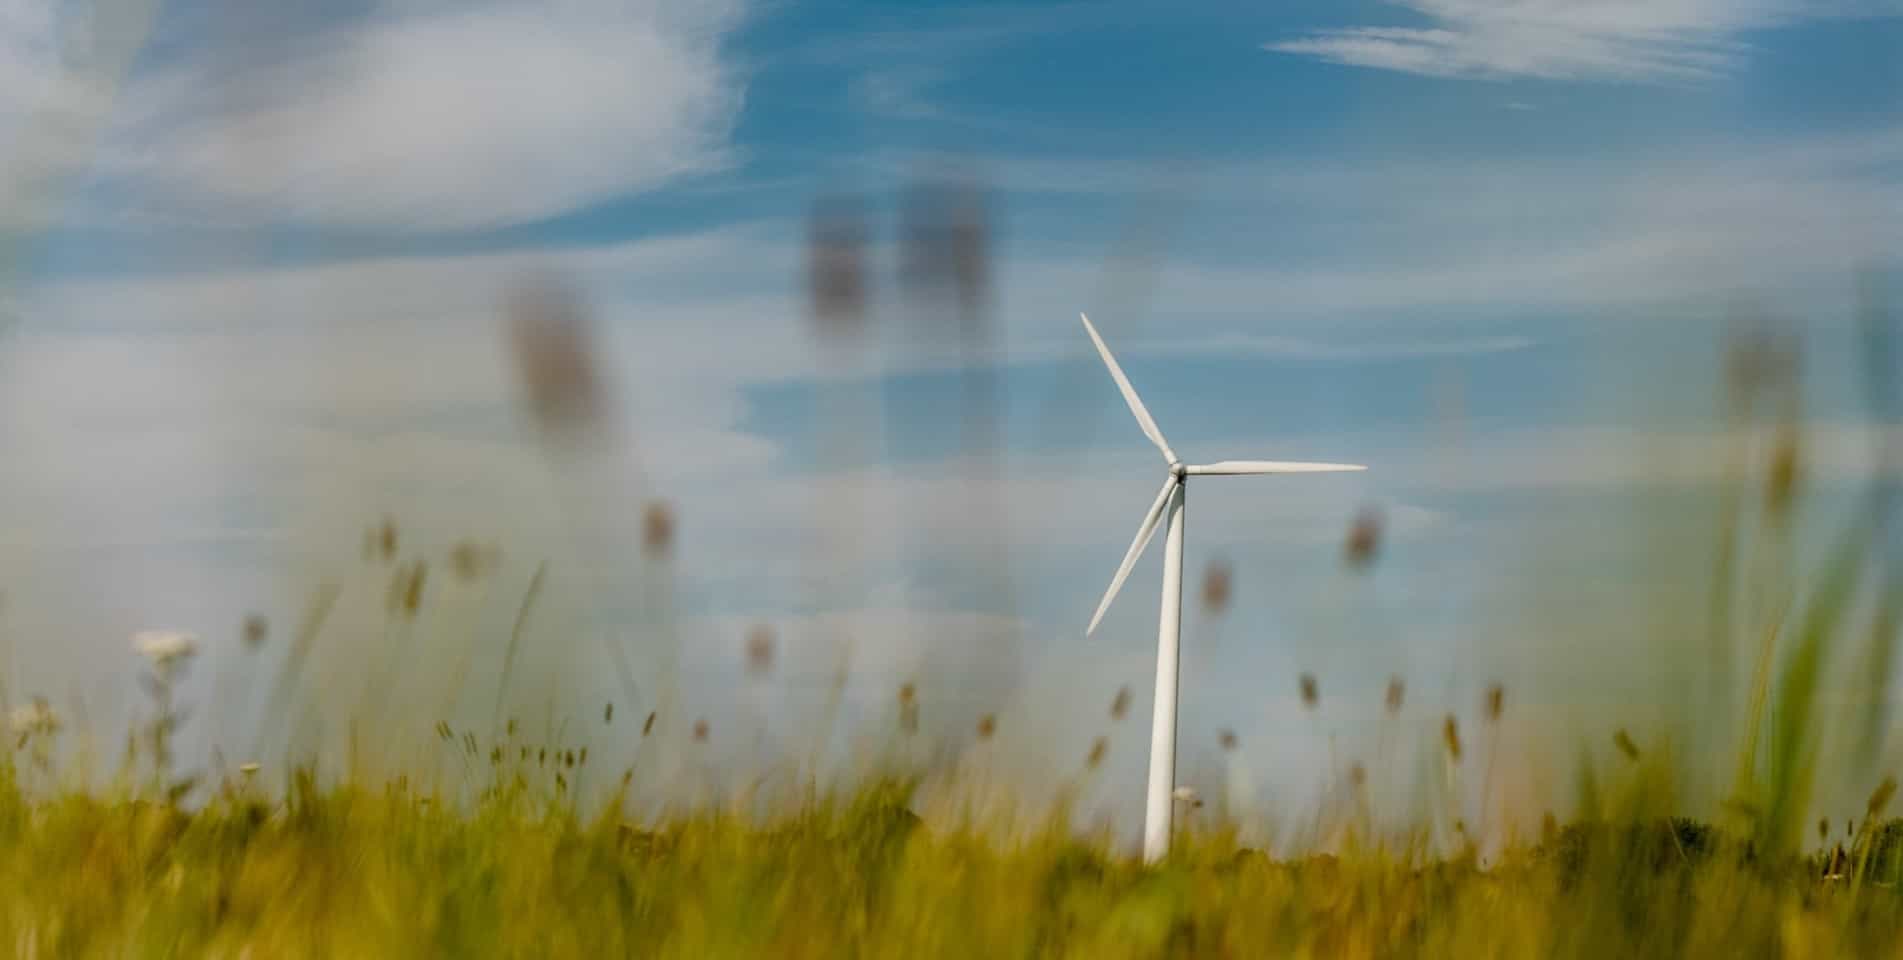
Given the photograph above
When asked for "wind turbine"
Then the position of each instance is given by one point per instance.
(1157, 812)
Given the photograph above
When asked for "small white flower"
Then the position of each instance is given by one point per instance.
(165, 648)
(248, 768)
(1186, 795)
(33, 718)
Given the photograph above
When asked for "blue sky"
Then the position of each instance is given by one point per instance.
(257, 258)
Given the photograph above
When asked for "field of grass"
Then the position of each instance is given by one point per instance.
(527, 849)
(354, 871)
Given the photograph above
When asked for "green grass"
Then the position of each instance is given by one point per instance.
(507, 846)
(350, 871)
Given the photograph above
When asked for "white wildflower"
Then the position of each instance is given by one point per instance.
(248, 768)
(165, 648)
(36, 718)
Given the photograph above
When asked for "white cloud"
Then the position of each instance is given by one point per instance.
(1619, 40)
(420, 115)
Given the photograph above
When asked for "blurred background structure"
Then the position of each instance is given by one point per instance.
(699, 381)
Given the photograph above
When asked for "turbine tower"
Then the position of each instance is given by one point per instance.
(1157, 811)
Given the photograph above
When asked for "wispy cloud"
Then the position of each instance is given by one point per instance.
(414, 116)
(1604, 40)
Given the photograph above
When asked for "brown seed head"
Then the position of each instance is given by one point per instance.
(1623, 741)
(908, 694)
(760, 649)
(386, 539)
(945, 242)
(1496, 702)
(1216, 585)
(1357, 775)
(1780, 484)
(1097, 752)
(469, 560)
(554, 355)
(648, 727)
(1120, 705)
(987, 725)
(1450, 733)
(256, 628)
(657, 529)
(1227, 738)
(1823, 829)
(1364, 539)
(1311, 691)
(836, 266)
(413, 590)
(608, 712)
(1397, 694)
(700, 731)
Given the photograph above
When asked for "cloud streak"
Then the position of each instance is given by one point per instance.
(1644, 41)
(414, 117)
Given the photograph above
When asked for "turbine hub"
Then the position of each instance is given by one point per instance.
(1177, 469)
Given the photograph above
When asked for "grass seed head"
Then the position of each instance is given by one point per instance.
(700, 731)
(1227, 738)
(657, 529)
(987, 725)
(1880, 799)
(1216, 588)
(1120, 704)
(255, 630)
(1781, 481)
(554, 354)
(1364, 539)
(1450, 734)
(413, 589)
(1098, 750)
(760, 649)
(470, 560)
(1397, 694)
(648, 726)
(1623, 741)
(1496, 702)
(386, 539)
(608, 713)
(836, 266)
(1311, 691)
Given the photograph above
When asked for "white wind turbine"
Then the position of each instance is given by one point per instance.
(1156, 816)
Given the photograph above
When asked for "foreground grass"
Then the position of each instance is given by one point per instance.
(353, 872)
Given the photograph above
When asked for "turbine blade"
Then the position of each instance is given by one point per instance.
(1144, 533)
(1225, 468)
(1130, 394)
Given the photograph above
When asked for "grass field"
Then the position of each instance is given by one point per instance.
(352, 871)
(503, 843)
